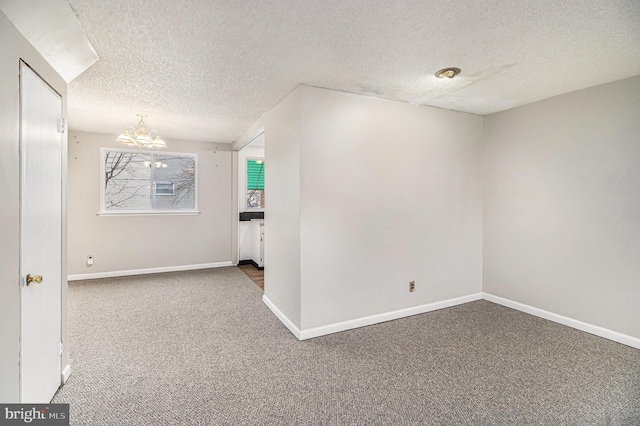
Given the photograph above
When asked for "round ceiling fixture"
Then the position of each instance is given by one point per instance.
(447, 72)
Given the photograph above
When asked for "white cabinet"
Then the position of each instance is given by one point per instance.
(257, 241)
(244, 237)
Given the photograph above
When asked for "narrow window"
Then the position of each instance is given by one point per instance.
(255, 183)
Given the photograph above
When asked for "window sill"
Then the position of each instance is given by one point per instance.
(150, 213)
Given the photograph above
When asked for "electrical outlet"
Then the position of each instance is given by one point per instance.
(89, 260)
(412, 286)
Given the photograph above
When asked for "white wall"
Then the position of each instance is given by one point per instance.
(366, 194)
(562, 205)
(390, 192)
(151, 241)
(13, 47)
(282, 210)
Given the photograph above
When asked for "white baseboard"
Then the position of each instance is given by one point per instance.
(282, 317)
(112, 274)
(402, 313)
(66, 372)
(570, 322)
(364, 321)
(386, 316)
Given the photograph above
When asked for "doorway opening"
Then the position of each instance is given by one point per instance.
(251, 207)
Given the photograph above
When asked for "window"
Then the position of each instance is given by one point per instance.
(165, 188)
(255, 184)
(138, 182)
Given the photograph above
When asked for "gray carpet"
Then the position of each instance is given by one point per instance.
(200, 348)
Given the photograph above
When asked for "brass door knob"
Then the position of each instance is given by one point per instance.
(34, 279)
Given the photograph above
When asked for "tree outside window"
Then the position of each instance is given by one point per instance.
(142, 181)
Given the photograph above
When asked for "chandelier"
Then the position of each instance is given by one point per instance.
(141, 137)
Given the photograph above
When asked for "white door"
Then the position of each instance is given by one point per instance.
(41, 237)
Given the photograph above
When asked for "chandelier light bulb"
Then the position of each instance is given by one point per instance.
(141, 137)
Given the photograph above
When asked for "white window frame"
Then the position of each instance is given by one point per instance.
(147, 212)
(157, 194)
(246, 190)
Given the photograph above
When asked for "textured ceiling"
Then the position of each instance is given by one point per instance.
(206, 70)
